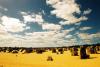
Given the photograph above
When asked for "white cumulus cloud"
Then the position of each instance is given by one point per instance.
(36, 18)
(12, 24)
(66, 9)
(87, 11)
(88, 38)
(85, 28)
(48, 26)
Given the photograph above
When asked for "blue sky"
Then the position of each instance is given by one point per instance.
(49, 23)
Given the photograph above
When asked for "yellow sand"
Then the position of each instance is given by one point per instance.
(40, 60)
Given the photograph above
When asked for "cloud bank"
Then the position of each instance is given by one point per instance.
(19, 32)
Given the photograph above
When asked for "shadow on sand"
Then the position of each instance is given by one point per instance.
(93, 57)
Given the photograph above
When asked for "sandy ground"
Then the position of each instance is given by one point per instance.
(40, 60)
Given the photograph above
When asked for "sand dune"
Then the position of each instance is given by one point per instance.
(40, 60)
